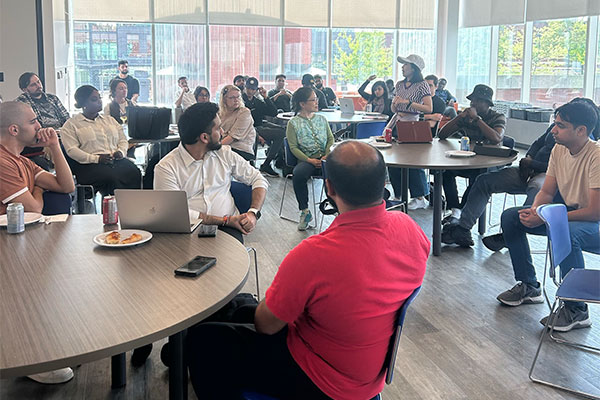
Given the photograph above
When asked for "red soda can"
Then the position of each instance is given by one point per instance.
(388, 135)
(110, 215)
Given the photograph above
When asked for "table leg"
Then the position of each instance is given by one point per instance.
(118, 371)
(437, 212)
(482, 222)
(178, 377)
(405, 188)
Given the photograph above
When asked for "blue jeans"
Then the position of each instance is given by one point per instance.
(418, 185)
(500, 181)
(584, 236)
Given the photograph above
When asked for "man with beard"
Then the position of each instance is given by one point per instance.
(327, 91)
(204, 169)
(49, 110)
(309, 81)
(133, 85)
(239, 81)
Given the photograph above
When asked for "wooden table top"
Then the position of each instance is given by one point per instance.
(433, 156)
(65, 301)
(336, 117)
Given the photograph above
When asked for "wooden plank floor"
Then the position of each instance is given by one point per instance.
(458, 343)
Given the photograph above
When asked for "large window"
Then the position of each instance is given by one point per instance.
(243, 50)
(597, 91)
(473, 60)
(99, 47)
(179, 52)
(510, 62)
(304, 52)
(421, 42)
(359, 53)
(558, 61)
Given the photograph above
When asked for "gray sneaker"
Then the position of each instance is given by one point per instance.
(521, 293)
(567, 319)
(305, 218)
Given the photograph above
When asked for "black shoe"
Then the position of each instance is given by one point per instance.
(164, 354)
(140, 355)
(267, 170)
(494, 242)
(279, 163)
(450, 220)
(456, 234)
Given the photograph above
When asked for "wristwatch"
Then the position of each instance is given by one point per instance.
(256, 212)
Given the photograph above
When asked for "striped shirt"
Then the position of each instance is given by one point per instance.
(414, 93)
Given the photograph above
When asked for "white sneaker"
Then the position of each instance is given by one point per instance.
(416, 203)
(456, 212)
(52, 377)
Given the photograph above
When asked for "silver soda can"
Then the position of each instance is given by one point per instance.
(15, 215)
(465, 143)
(369, 107)
(109, 210)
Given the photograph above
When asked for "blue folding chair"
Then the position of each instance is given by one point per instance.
(242, 197)
(578, 285)
(365, 130)
(559, 241)
(291, 161)
(390, 359)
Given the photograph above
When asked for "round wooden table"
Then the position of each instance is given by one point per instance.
(65, 301)
(432, 156)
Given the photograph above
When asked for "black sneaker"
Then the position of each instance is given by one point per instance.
(567, 319)
(266, 169)
(494, 242)
(449, 220)
(521, 293)
(456, 234)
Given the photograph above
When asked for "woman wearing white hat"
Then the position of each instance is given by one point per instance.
(412, 97)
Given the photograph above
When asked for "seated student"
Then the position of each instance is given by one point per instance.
(324, 328)
(309, 81)
(391, 88)
(184, 98)
(98, 146)
(378, 98)
(239, 81)
(327, 91)
(201, 94)
(237, 123)
(574, 172)
(309, 137)
(22, 181)
(119, 105)
(447, 97)
(280, 95)
(481, 124)
(438, 105)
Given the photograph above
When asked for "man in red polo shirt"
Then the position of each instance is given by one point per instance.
(324, 328)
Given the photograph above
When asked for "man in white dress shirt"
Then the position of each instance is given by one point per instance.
(204, 169)
(185, 97)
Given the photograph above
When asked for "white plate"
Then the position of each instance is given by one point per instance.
(125, 233)
(381, 145)
(30, 218)
(460, 153)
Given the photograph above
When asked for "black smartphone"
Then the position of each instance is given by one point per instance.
(196, 266)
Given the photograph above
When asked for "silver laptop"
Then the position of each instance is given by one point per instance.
(155, 210)
(347, 106)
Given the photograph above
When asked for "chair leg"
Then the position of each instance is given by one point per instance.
(253, 250)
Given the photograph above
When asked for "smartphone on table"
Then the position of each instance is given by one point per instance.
(196, 266)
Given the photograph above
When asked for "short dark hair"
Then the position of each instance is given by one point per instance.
(122, 62)
(280, 76)
(596, 133)
(199, 90)
(195, 120)
(82, 94)
(317, 76)
(300, 96)
(239, 77)
(432, 78)
(181, 78)
(306, 78)
(25, 78)
(579, 113)
(358, 183)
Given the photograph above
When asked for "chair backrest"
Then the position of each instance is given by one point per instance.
(557, 231)
(391, 357)
(441, 124)
(508, 141)
(365, 130)
(56, 203)
(242, 196)
(290, 158)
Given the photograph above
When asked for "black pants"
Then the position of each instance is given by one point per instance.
(273, 135)
(226, 358)
(302, 173)
(246, 156)
(121, 174)
(450, 189)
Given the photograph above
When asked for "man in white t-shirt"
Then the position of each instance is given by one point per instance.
(185, 97)
(574, 171)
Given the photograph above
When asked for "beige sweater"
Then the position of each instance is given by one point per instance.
(240, 126)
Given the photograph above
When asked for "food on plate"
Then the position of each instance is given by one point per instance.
(135, 237)
(113, 238)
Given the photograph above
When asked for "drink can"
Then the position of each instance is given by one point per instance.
(369, 107)
(110, 215)
(465, 143)
(388, 135)
(15, 215)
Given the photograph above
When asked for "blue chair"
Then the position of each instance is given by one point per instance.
(242, 197)
(559, 240)
(365, 130)
(390, 359)
(291, 161)
(578, 285)
(57, 203)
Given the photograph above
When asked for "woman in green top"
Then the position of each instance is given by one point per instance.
(310, 140)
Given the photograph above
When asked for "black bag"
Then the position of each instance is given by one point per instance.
(494, 151)
(148, 122)
(240, 310)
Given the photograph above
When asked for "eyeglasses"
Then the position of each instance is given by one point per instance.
(233, 97)
(204, 95)
(313, 100)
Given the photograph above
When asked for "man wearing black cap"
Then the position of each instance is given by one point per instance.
(260, 107)
(480, 124)
(239, 81)
(309, 81)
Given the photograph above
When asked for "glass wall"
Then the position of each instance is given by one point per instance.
(510, 62)
(597, 88)
(473, 60)
(421, 42)
(304, 52)
(558, 61)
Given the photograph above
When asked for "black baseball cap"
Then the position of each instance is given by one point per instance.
(252, 83)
